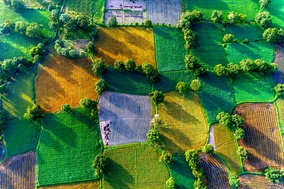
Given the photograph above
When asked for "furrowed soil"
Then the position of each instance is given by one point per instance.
(216, 173)
(62, 80)
(126, 43)
(257, 182)
(262, 136)
(18, 172)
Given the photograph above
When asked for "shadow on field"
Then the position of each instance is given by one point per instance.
(117, 176)
(277, 12)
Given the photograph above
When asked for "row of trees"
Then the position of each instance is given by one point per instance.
(60, 48)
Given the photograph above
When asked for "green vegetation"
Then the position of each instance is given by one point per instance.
(34, 113)
(169, 46)
(20, 136)
(99, 165)
(68, 144)
(273, 175)
(276, 9)
(253, 87)
(99, 9)
(241, 32)
(156, 97)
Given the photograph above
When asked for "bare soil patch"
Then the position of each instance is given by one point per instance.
(257, 181)
(262, 136)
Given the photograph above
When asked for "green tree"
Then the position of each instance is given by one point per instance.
(170, 183)
(273, 175)
(153, 136)
(220, 70)
(150, 72)
(190, 62)
(207, 148)
(181, 87)
(33, 30)
(217, 16)
(236, 121)
(242, 152)
(232, 68)
(99, 66)
(233, 180)
(166, 157)
(130, 65)
(228, 38)
(82, 21)
(239, 133)
(156, 97)
(112, 22)
(88, 104)
(99, 164)
(119, 65)
(247, 65)
(34, 113)
(195, 85)
(224, 118)
(65, 108)
(100, 86)
(273, 35)
(232, 17)
(263, 19)
(20, 27)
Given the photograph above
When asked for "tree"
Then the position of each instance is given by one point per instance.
(82, 21)
(263, 19)
(217, 16)
(207, 148)
(181, 87)
(112, 22)
(264, 3)
(195, 85)
(153, 136)
(20, 27)
(189, 37)
(65, 108)
(99, 164)
(156, 97)
(236, 121)
(190, 61)
(233, 180)
(232, 17)
(228, 38)
(224, 118)
(239, 133)
(101, 86)
(166, 157)
(150, 72)
(148, 23)
(247, 65)
(232, 68)
(119, 65)
(170, 183)
(33, 113)
(130, 65)
(88, 104)
(90, 50)
(33, 30)
(99, 66)
(273, 35)
(242, 152)
(220, 70)
(273, 175)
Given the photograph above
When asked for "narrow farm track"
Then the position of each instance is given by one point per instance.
(257, 181)
(18, 172)
(262, 136)
(216, 173)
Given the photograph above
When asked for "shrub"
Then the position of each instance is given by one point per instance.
(119, 65)
(166, 157)
(228, 38)
(112, 22)
(263, 19)
(217, 16)
(233, 180)
(242, 152)
(130, 65)
(195, 85)
(207, 148)
(232, 17)
(220, 70)
(273, 175)
(156, 97)
(88, 104)
(181, 87)
(99, 66)
(239, 133)
(170, 183)
(100, 86)
(65, 108)
(99, 164)
(153, 136)
(190, 61)
(33, 113)
(148, 23)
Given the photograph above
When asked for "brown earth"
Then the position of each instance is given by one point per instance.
(257, 182)
(18, 172)
(262, 136)
(62, 80)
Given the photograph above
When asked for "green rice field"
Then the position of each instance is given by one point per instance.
(67, 147)
(169, 46)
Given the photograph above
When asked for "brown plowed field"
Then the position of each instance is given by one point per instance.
(81, 185)
(62, 80)
(126, 43)
(18, 172)
(262, 137)
(257, 182)
(216, 172)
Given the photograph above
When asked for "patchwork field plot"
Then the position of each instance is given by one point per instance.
(21, 136)
(262, 136)
(79, 185)
(126, 43)
(167, 12)
(226, 147)
(135, 166)
(19, 95)
(215, 171)
(169, 46)
(18, 172)
(209, 51)
(129, 116)
(181, 172)
(216, 96)
(253, 87)
(61, 80)
(257, 181)
(276, 10)
(251, 32)
(67, 147)
(126, 82)
(168, 80)
(278, 76)
(254, 50)
(185, 125)
(248, 7)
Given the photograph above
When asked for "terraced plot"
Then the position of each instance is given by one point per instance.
(185, 125)
(129, 116)
(62, 80)
(18, 172)
(262, 136)
(257, 181)
(126, 43)
(134, 166)
(215, 171)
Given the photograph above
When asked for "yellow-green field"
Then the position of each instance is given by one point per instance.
(185, 125)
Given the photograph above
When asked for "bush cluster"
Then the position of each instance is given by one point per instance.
(153, 136)
(60, 48)
(192, 65)
(273, 35)
(274, 175)
(99, 164)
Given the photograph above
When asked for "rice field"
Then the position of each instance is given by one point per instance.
(262, 136)
(184, 125)
(126, 43)
(62, 80)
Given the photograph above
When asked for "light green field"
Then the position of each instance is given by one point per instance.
(226, 147)
(244, 31)
(255, 50)
(253, 88)
(19, 95)
(20, 136)
(170, 51)
(134, 166)
(216, 96)
(67, 147)
(248, 7)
